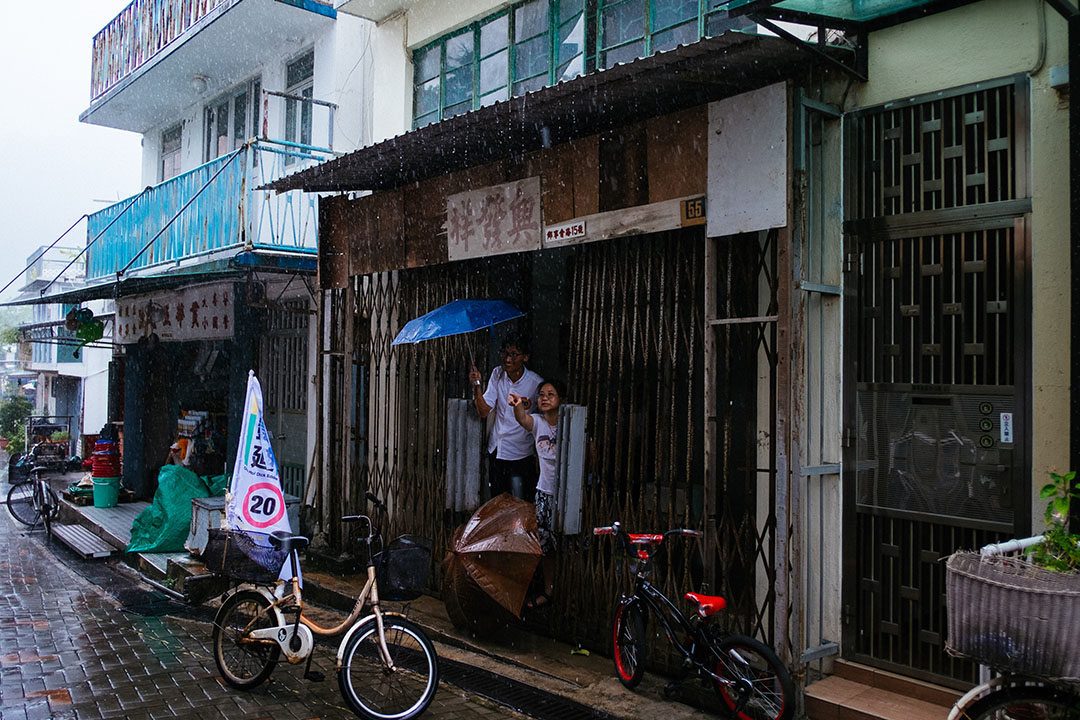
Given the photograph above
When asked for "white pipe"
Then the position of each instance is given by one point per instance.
(1010, 546)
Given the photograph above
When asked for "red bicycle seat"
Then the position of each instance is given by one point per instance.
(706, 604)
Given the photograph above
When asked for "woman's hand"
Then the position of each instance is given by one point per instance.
(521, 400)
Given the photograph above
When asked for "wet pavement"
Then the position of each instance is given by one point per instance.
(70, 648)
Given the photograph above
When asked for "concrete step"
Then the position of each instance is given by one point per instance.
(858, 692)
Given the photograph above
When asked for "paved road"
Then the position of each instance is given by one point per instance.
(72, 649)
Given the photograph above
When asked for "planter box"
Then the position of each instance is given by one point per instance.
(1013, 616)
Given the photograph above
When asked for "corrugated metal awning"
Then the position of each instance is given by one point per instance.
(712, 69)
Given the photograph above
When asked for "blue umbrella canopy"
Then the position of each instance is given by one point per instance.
(459, 316)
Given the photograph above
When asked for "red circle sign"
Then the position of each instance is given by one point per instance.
(263, 509)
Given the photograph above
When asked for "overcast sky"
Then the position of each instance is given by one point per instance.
(55, 168)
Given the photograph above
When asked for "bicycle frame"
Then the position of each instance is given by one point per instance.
(666, 611)
(288, 597)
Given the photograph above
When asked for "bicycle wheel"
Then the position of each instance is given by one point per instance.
(759, 687)
(375, 692)
(241, 660)
(1026, 702)
(629, 650)
(20, 502)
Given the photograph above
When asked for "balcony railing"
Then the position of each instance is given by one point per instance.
(142, 30)
(210, 209)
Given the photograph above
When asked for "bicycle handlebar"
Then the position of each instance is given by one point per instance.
(642, 538)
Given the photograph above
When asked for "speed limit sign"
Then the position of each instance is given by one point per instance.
(263, 505)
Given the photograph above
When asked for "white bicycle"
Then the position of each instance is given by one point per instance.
(387, 667)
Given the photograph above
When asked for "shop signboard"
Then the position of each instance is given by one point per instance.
(494, 220)
(202, 312)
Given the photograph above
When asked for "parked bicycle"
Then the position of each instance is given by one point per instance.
(387, 667)
(1017, 693)
(32, 501)
(747, 675)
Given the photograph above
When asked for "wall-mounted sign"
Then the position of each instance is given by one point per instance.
(204, 312)
(555, 235)
(494, 220)
(1006, 427)
(692, 211)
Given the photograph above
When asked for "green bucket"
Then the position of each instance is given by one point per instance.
(106, 492)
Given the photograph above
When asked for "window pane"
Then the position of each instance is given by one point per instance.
(531, 19)
(571, 69)
(452, 110)
(459, 85)
(459, 50)
(672, 12)
(305, 118)
(681, 35)
(256, 110)
(426, 98)
(719, 23)
(520, 88)
(622, 23)
(569, 8)
(492, 98)
(240, 128)
(493, 72)
(531, 58)
(426, 119)
(301, 70)
(495, 35)
(624, 54)
(571, 39)
(427, 63)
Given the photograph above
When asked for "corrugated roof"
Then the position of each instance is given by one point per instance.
(689, 75)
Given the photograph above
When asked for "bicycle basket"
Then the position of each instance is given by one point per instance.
(242, 555)
(1012, 615)
(401, 569)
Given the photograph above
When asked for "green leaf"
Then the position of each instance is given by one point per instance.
(1047, 491)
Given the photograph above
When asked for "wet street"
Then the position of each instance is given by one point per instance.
(70, 648)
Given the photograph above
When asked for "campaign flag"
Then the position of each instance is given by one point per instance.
(255, 501)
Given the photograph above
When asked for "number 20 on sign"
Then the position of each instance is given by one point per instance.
(264, 505)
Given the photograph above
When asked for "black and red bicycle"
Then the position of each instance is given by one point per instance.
(747, 675)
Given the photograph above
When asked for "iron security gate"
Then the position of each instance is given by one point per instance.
(285, 362)
(937, 418)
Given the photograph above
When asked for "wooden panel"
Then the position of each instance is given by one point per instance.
(425, 218)
(569, 175)
(677, 153)
(624, 175)
(333, 241)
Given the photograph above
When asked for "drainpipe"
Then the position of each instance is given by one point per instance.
(1074, 256)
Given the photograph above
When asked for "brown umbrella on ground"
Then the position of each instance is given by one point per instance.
(491, 562)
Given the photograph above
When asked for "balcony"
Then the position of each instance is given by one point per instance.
(145, 60)
(208, 213)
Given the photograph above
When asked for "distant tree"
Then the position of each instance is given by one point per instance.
(13, 414)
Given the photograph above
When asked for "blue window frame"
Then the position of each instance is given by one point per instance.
(536, 43)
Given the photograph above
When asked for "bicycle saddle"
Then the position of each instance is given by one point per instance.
(706, 604)
(281, 540)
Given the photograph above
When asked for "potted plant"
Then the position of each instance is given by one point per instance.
(1021, 613)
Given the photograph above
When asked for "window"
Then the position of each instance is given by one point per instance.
(232, 119)
(537, 43)
(170, 152)
(531, 45)
(299, 82)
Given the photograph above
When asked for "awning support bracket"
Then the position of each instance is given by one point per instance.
(855, 70)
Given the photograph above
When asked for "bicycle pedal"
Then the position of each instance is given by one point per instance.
(314, 676)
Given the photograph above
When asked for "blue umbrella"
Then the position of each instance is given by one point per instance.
(455, 318)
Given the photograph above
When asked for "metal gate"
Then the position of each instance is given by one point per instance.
(633, 354)
(284, 360)
(936, 433)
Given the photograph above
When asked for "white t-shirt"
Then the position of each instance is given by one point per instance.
(511, 441)
(546, 441)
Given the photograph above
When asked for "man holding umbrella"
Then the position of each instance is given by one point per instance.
(511, 448)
